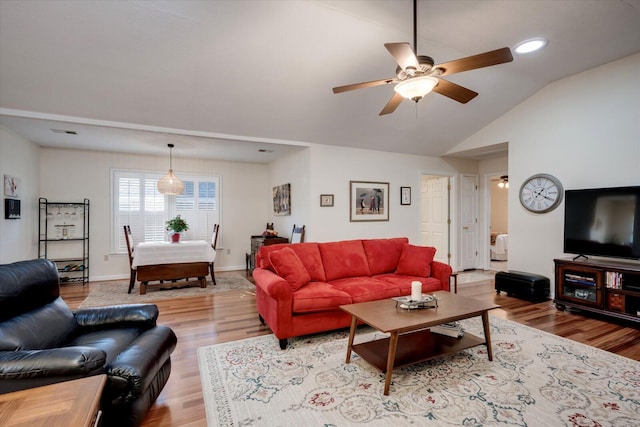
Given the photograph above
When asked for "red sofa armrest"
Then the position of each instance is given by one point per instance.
(272, 284)
(274, 301)
(442, 272)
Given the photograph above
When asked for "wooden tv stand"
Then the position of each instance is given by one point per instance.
(605, 287)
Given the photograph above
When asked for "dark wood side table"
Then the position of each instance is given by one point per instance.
(69, 403)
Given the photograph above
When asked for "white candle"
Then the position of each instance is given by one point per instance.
(416, 291)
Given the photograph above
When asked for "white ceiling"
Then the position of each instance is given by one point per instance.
(223, 79)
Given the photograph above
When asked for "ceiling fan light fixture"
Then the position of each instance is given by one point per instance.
(170, 184)
(530, 45)
(416, 87)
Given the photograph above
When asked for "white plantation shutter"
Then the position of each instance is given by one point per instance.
(155, 211)
(197, 205)
(136, 202)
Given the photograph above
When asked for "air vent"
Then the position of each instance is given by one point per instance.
(68, 132)
(262, 150)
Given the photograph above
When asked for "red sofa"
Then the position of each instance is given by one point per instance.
(300, 287)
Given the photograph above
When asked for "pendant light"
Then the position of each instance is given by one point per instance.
(170, 184)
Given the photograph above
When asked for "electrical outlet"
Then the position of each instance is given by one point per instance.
(228, 251)
(106, 257)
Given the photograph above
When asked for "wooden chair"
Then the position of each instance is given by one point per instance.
(129, 240)
(297, 234)
(214, 243)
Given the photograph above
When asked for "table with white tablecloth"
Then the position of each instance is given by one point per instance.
(164, 261)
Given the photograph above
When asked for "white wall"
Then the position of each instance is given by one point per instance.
(331, 169)
(290, 169)
(71, 175)
(585, 130)
(19, 237)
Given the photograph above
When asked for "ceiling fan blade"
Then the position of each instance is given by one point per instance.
(391, 106)
(403, 54)
(454, 91)
(487, 59)
(362, 85)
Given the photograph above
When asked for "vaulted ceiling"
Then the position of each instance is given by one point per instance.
(224, 79)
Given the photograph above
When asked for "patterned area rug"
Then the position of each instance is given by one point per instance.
(535, 379)
(114, 293)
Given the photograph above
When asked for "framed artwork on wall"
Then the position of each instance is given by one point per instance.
(368, 201)
(282, 200)
(11, 186)
(326, 200)
(11, 209)
(405, 195)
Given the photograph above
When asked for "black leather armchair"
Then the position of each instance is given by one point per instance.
(43, 342)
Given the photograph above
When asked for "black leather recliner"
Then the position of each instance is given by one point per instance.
(43, 342)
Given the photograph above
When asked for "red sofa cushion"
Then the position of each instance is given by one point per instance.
(309, 254)
(383, 254)
(262, 257)
(363, 289)
(415, 260)
(319, 296)
(287, 265)
(344, 259)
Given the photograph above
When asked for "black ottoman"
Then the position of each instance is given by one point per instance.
(528, 286)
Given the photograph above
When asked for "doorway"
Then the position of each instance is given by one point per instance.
(435, 215)
(469, 222)
(497, 198)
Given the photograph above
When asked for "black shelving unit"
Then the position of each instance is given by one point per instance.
(63, 235)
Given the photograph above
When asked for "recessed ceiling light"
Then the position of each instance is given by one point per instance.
(530, 45)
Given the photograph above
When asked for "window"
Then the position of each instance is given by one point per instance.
(136, 202)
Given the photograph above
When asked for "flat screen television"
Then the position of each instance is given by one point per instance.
(603, 222)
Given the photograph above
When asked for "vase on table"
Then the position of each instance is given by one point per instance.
(175, 237)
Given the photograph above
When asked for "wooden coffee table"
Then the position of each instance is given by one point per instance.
(410, 341)
(69, 403)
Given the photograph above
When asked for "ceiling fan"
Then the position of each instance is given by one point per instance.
(416, 75)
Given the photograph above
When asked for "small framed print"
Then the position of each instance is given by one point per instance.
(326, 200)
(11, 186)
(405, 195)
(11, 209)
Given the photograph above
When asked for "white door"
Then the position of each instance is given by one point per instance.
(469, 222)
(434, 225)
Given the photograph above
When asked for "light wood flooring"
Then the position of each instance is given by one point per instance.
(232, 316)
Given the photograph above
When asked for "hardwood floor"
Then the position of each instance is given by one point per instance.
(232, 316)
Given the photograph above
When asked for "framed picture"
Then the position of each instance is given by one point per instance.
(369, 201)
(11, 186)
(11, 209)
(326, 200)
(405, 195)
(282, 200)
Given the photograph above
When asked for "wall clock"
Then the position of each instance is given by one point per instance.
(541, 193)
